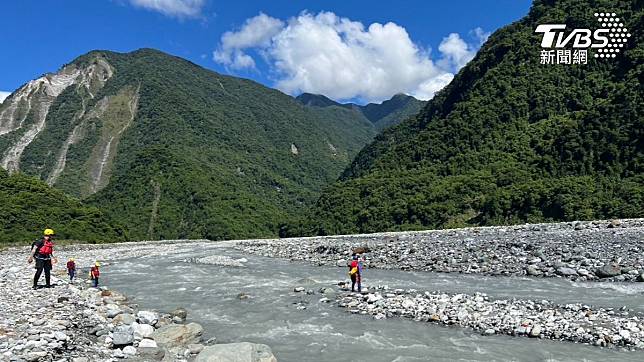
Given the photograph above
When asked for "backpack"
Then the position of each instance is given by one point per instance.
(353, 271)
(47, 248)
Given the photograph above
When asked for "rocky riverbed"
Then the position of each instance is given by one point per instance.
(577, 323)
(75, 322)
(610, 250)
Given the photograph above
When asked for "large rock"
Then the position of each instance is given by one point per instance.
(151, 353)
(180, 313)
(532, 270)
(236, 352)
(175, 335)
(565, 271)
(609, 270)
(124, 318)
(147, 317)
(122, 335)
(142, 330)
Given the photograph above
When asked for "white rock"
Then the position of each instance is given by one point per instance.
(147, 317)
(147, 343)
(129, 350)
(142, 330)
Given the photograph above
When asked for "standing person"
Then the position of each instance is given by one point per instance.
(43, 251)
(354, 273)
(71, 269)
(94, 273)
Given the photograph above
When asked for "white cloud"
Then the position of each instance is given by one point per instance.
(178, 8)
(342, 59)
(4, 95)
(256, 31)
(480, 35)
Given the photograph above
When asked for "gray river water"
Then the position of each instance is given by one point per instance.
(323, 332)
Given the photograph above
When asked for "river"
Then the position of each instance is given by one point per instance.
(323, 332)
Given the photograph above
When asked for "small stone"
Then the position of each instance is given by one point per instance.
(298, 289)
(129, 350)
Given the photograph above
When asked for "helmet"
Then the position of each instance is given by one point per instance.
(48, 232)
(97, 263)
(72, 259)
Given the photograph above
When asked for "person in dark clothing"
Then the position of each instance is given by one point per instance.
(94, 273)
(71, 269)
(43, 252)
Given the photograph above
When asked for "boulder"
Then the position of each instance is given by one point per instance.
(195, 348)
(175, 335)
(609, 270)
(147, 317)
(238, 352)
(566, 272)
(124, 318)
(180, 313)
(122, 335)
(129, 350)
(532, 270)
(142, 330)
(361, 250)
(147, 343)
(151, 353)
(640, 277)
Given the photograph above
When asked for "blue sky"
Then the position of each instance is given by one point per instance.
(358, 50)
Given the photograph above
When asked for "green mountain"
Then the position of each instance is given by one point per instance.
(509, 140)
(30, 205)
(381, 115)
(171, 150)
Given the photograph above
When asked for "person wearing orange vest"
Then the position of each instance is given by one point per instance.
(94, 273)
(354, 274)
(43, 252)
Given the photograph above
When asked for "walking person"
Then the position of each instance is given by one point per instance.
(354, 274)
(71, 269)
(94, 273)
(43, 252)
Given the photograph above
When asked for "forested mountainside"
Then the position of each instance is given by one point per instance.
(509, 140)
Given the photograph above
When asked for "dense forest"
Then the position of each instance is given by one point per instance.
(509, 140)
(30, 205)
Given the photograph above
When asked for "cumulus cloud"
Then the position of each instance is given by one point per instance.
(256, 32)
(177, 8)
(343, 59)
(3, 95)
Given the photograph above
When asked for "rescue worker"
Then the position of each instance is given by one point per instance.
(94, 273)
(43, 252)
(71, 269)
(354, 274)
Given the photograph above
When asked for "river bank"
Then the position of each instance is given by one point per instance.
(609, 250)
(578, 323)
(75, 322)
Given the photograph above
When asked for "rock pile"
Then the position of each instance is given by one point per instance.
(594, 250)
(537, 319)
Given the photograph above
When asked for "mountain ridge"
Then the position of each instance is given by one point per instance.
(169, 149)
(387, 113)
(508, 141)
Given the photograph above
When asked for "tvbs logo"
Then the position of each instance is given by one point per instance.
(571, 47)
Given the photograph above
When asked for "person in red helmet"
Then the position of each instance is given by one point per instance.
(43, 252)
